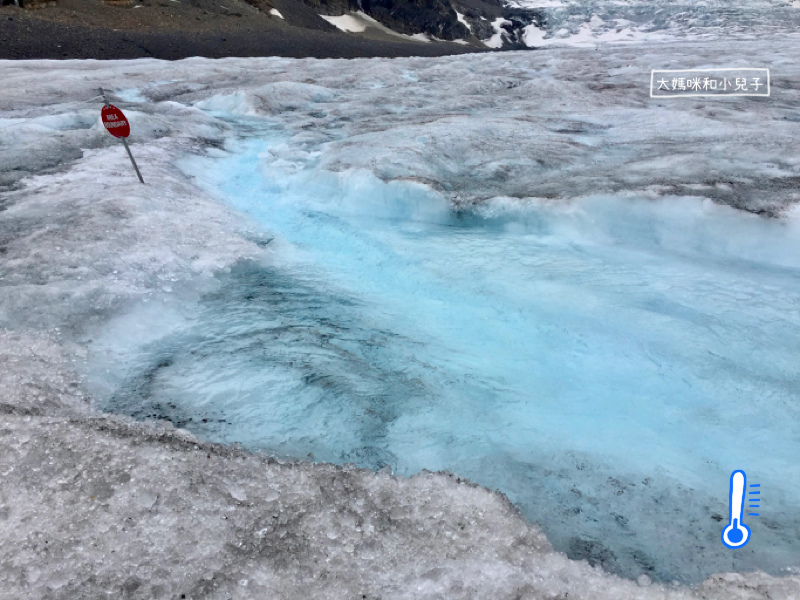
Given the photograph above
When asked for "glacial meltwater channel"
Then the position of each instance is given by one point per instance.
(605, 362)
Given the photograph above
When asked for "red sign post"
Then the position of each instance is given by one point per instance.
(115, 121)
(117, 125)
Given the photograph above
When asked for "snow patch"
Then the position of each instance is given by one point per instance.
(350, 23)
(359, 22)
(497, 40)
(463, 21)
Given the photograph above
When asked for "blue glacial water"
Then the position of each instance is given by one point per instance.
(605, 362)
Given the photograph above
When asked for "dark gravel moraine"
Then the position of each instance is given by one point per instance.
(84, 29)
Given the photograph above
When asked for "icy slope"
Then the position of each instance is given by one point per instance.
(83, 246)
(93, 507)
(539, 23)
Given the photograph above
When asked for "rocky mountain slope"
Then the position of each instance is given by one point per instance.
(174, 29)
(348, 28)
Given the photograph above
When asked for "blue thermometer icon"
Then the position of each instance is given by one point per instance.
(736, 534)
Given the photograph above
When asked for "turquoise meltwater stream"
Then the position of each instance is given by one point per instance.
(605, 362)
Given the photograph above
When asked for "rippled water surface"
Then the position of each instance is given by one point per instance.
(605, 362)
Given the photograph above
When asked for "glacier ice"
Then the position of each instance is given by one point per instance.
(589, 360)
(564, 214)
(543, 23)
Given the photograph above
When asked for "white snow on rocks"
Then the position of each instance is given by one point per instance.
(498, 39)
(359, 22)
(347, 23)
(463, 20)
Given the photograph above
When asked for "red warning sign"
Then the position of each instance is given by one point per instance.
(115, 121)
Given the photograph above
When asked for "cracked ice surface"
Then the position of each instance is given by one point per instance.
(591, 22)
(97, 269)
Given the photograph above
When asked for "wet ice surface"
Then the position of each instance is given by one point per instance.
(606, 363)
(457, 311)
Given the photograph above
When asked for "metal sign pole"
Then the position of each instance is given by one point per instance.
(125, 143)
(133, 162)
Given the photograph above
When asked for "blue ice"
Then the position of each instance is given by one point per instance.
(605, 362)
